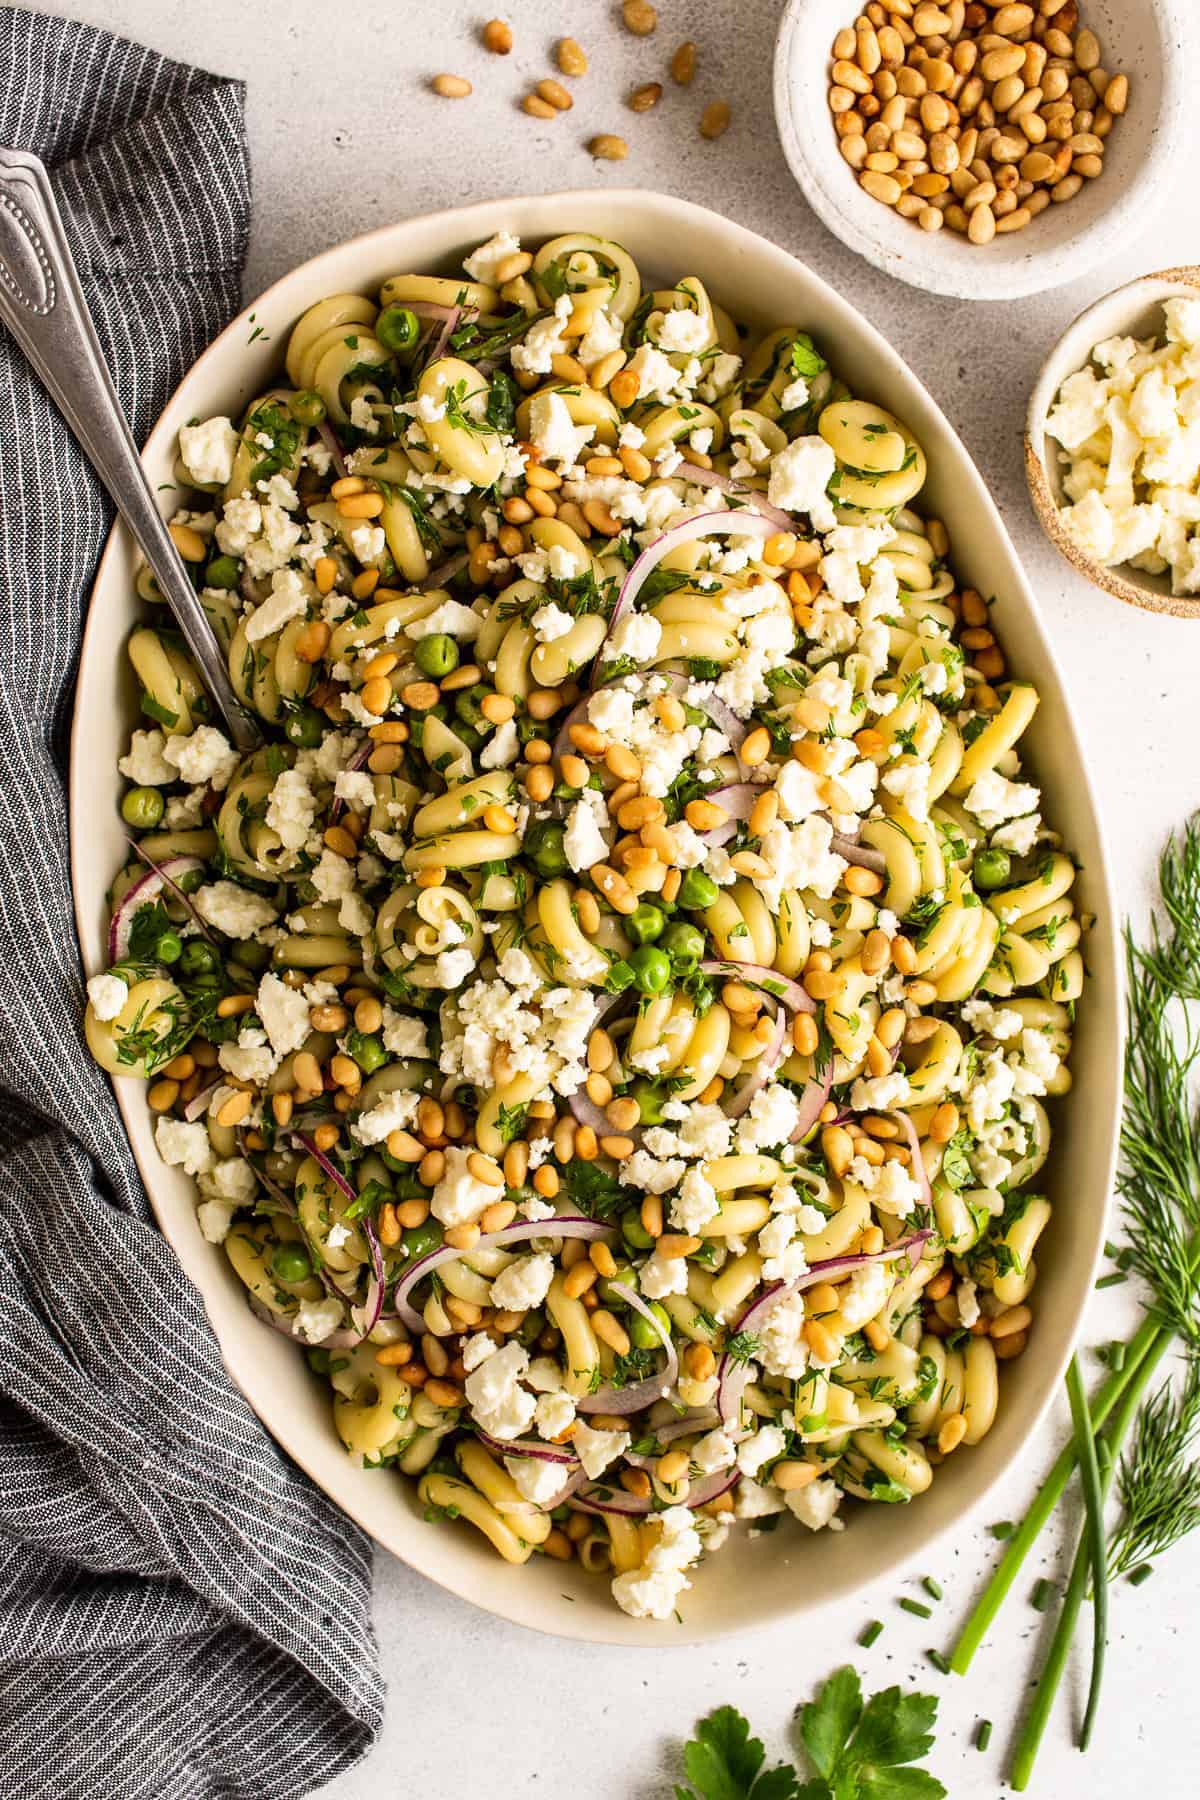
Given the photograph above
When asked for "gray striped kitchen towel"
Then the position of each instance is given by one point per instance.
(181, 1612)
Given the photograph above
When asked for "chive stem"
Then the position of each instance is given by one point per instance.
(917, 1608)
(932, 1588)
(1146, 1349)
(983, 1736)
(868, 1635)
(1094, 1491)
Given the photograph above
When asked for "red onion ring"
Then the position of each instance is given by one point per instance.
(917, 1161)
(616, 1500)
(357, 761)
(144, 892)
(732, 1377)
(666, 1434)
(570, 1226)
(726, 484)
(714, 524)
(788, 992)
(737, 800)
(853, 852)
(331, 442)
(763, 1067)
(812, 1100)
(643, 1393)
(197, 1106)
(533, 1448)
(338, 1339)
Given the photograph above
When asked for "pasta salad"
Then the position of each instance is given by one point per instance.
(610, 1020)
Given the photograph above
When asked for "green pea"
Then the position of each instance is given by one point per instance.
(397, 329)
(252, 955)
(142, 807)
(291, 1263)
(169, 948)
(419, 1240)
(645, 924)
(697, 891)
(545, 849)
(531, 1327)
(307, 407)
(368, 1052)
(651, 969)
(467, 734)
(650, 1102)
(634, 1232)
(223, 572)
(305, 727)
(467, 706)
(198, 958)
(992, 869)
(436, 655)
(642, 1332)
(684, 944)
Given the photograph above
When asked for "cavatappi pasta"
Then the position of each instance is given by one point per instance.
(611, 1022)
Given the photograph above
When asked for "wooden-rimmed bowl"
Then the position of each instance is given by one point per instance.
(1134, 310)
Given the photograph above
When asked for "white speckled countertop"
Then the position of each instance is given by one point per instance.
(343, 135)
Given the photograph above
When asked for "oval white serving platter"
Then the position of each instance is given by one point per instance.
(749, 1583)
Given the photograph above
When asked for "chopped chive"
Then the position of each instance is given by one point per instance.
(939, 1661)
(1107, 1281)
(1003, 1529)
(1142, 1573)
(1044, 1595)
(917, 1608)
(870, 1633)
(932, 1588)
(1125, 1259)
(1111, 1249)
(1116, 1357)
(983, 1736)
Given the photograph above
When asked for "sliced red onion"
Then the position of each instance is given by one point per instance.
(642, 1393)
(284, 1322)
(854, 852)
(534, 1448)
(432, 309)
(331, 442)
(604, 1499)
(733, 1377)
(144, 892)
(790, 993)
(737, 801)
(572, 1226)
(725, 484)
(701, 1421)
(197, 1106)
(762, 1068)
(714, 524)
(916, 1160)
(571, 1486)
(366, 1316)
(357, 761)
(449, 569)
(455, 316)
(812, 1102)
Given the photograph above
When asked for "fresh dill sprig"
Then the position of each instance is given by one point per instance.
(1176, 960)
(1159, 1481)
(1159, 1178)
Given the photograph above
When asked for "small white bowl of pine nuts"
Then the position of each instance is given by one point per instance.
(981, 148)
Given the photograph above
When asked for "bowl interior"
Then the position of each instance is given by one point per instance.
(1137, 37)
(1134, 310)
(750, 1582)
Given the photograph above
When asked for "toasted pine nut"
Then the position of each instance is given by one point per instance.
(715, 119)
(570, 57)
(608, 147)
(451, 87)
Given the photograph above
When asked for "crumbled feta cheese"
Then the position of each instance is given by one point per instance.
(497, 1400)
(800, 475)
(482, 263)
(204, 756)
(583, 841)
(816, 1504)
(107, 995)
(394, 1112)
(207, 451)
(184, 1145)
(459, 1197)
(232, 909)
(146, 764)
(524, 1283)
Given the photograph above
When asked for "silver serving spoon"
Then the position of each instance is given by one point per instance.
(42, 304)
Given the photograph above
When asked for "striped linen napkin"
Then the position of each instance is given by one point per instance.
(181, 1612)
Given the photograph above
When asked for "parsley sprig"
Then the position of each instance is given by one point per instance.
(860, 1750)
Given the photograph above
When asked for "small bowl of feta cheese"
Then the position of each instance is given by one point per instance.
(1112, 443)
